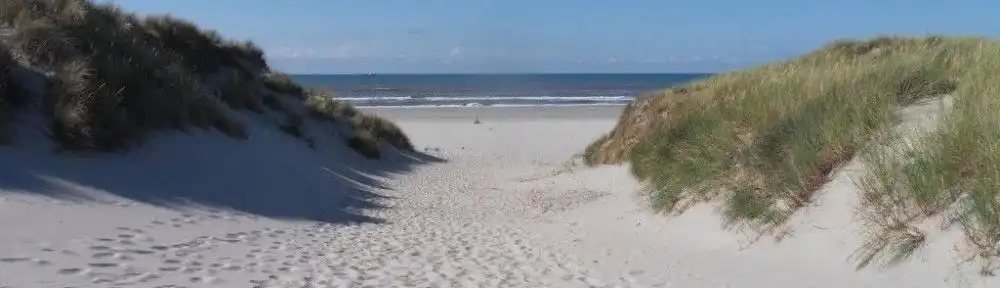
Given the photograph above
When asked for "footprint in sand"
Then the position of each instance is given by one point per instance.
(137, 278)
(228, 240)
(231, 267)
(192, 270)
(123, 257)
(100, 248)
(67, 271)
(14, 259)
(41, 262)
(205, 280)
(103, 265)
(139, 251)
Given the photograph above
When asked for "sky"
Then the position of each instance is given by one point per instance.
(560, 36)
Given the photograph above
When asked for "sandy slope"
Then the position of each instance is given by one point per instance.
(489, 205)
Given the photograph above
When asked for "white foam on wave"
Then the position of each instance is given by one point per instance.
(470, 105)
(532, 98)
(393, 98)
(491, 98)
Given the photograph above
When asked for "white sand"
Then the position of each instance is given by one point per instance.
(503, 210)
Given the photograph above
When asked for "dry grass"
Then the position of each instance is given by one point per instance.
(366, 130)
(764, 140)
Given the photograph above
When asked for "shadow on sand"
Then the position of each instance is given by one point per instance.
(269, 175)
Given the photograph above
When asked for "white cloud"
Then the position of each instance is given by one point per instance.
(455, 51)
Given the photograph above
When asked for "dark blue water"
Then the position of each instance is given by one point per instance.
(493, 89)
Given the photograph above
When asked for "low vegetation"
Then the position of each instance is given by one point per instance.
(282, 83)
(765, 140)
(113, 77)
(367, 130)
(8, 90)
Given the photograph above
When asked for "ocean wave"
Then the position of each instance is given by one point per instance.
(492, 98)
(393, 98)
(473, 105)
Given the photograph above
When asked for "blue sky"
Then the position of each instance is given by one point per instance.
(538, 36)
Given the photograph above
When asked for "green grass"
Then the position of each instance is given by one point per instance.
(766, 139)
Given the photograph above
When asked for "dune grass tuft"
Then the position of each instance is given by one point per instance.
(9, 91)
(764, 140)
(364, 143)
(366, 130)
(205, 51)
(951, 173)
(382, 130)
(112, 83)
(321, 103)
(240, 92)
(282, 83)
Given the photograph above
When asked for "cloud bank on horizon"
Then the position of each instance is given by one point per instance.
(521, 36)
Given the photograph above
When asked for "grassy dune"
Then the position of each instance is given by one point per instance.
(7, 90)
(764, 140)
(110, 78)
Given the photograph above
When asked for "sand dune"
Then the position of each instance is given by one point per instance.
(498, 204)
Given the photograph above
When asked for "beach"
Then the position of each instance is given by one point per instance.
(142, 149)
(501, 203)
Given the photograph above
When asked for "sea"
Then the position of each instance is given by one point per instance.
(469, 90)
